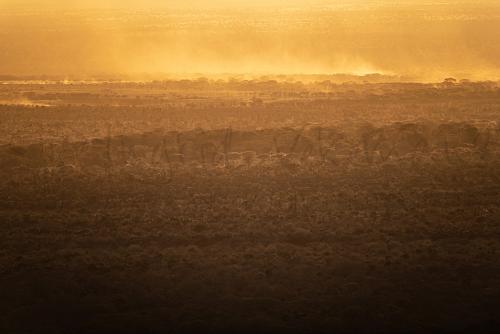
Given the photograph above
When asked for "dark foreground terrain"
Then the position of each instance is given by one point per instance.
(358, 227)
(361, 249)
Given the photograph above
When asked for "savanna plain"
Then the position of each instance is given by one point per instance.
(259, 205)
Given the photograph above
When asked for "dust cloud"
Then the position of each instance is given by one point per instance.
(421, 40)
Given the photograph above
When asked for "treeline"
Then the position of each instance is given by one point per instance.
(182, 87)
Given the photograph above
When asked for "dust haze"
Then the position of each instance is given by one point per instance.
(265, 166)
(424, 41)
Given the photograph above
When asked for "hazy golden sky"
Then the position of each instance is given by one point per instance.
(184, 3)
(418, 38)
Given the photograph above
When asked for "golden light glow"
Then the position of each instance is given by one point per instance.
(421, 39)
